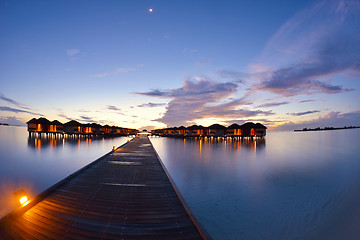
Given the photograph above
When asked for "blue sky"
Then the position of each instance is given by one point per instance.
(287, 64)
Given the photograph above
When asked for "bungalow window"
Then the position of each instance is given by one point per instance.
(38, 127)
(237, 132)
(52, 128)
(253, 132)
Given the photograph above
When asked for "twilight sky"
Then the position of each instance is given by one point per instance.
(286, 64)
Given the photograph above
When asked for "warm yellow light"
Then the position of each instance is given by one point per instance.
(23, 199)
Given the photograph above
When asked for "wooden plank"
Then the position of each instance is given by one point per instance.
(125, 195)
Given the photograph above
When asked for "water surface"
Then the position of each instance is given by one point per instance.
(35, 164)
(302, 185)
(290, 185)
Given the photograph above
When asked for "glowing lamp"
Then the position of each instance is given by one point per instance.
(22, 197)
(113, 148)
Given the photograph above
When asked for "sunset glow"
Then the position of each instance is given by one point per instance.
(287, 65)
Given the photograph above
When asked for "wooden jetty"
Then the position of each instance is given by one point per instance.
(125, 194)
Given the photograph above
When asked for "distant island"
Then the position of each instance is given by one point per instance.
(5, 124)
(325, 128)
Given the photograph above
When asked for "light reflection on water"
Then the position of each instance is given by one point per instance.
(289, 186)
(35, 164)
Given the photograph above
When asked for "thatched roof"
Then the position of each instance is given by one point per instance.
(72, 123)
(252, 125)
(248, 125)
(43, 121)
(34, 120)
(56, 122)
(216, 126)
(194, 127)
(234, 126)
(39, 121)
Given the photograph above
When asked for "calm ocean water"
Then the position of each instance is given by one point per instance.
(292, 185)
(36, 164)
(302, 185)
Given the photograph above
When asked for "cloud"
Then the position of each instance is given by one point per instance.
(203, 63)
(304, 113)
(202, 99)
(234, 75)
(12, 121)
(64, 116)
(88, 119)
(15, 110)
(112, 107)
(331, 119)
(148, 128)
(312, 48)
(152, 104)
(9, 100)
(188, 51)
(124, 70)
(100, 75)
(273, 104)
(308, 100)
(72, 52)
(12, 101)
(154, 93)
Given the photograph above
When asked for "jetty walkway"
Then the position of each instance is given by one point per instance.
(125, 194)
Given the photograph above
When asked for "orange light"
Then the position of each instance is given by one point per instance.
(21, 195)
(23, 200)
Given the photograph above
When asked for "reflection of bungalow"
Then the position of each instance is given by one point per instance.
(234, 130)
(216, 130)
(56, 127)
(73, 127)
(38, 125)
(253, 130)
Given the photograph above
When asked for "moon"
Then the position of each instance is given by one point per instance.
(150, 9)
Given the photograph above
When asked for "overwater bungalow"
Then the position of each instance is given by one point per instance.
(42, 125)
(234, 130)
(73, 127)
(56, 127)
(95, 128)
(260, 130)
(105, 129)
(181, 131)
(86, 128)
(195, 131)
(251, 129)
(38, 125)
(216, 130)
